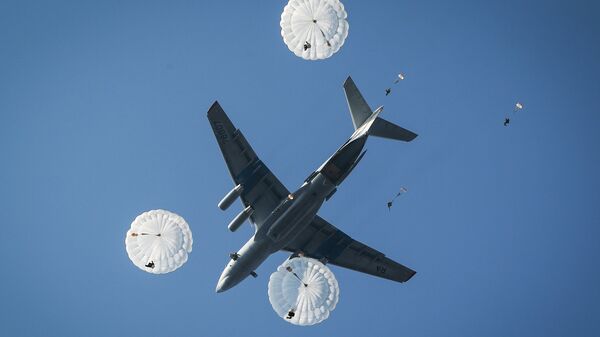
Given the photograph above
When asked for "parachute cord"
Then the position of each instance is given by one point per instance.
(325, 37)
(295, 308)
(298, 277)
(150, 234)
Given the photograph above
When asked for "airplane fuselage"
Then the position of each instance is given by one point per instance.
(294, 213)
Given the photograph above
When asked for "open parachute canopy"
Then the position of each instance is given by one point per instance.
(314, 29)
(158, 241)
(399, 78)
(303, 291)
(518, 106)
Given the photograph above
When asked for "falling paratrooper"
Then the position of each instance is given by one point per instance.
(399, 78)
(391, 202)
(518, 106)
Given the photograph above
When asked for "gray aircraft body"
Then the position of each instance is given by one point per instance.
(289, 221)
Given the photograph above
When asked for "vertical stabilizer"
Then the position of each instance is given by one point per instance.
(359, 109)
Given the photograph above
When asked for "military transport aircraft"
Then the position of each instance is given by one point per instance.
(289, 221)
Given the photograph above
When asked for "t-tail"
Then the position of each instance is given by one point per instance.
(368, 121)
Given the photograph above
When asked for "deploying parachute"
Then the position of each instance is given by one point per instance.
(399, 78)
(158, 241)
(314, 29)
(303, 291)
(518, 106)
(391, 202)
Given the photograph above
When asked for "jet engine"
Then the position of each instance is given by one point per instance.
(230, 197)
(240, 219)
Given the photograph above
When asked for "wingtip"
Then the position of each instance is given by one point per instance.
(348, 79)
(214, 106)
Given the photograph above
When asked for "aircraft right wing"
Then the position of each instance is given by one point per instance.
(262, 190)
(322, 240)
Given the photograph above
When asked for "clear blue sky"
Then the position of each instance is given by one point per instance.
(103, 116)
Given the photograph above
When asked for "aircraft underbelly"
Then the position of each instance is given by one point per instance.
(337, 168)
(289, 225)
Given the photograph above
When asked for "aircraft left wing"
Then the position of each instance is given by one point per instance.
(262, 190)
(322, 240)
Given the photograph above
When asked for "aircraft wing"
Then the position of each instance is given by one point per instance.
(323, 240)
(262, 190)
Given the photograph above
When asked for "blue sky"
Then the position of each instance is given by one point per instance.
(102, 117)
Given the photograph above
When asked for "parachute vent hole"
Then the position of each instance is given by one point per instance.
(314, 21)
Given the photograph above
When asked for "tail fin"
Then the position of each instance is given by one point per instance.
(385, 129)
(361, 113)
(359, 109)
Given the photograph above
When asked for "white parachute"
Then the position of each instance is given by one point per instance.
(158, 241)
(303, 291)
(314, 29)
(518, 106)
(399, 78)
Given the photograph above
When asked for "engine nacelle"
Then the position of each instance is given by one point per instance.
(230, 197)
(240, 219)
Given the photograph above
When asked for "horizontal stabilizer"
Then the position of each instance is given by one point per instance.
(385, 129)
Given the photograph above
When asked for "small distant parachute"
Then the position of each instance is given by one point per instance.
(158, 241)
(399, 78)
(400, 192)
(518, 106)
(314, 29)
(303, 291)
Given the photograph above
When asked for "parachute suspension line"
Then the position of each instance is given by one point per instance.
(308, 40)
(292, 311)
(402, 191)
(155, 254)
(313, 39)
(518, 106)
(324, 37)
(136, 234)
(288, 268)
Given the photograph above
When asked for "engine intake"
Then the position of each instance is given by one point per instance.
(230, 197)
(240, 219)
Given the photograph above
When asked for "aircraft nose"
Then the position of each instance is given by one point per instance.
(223, 284)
